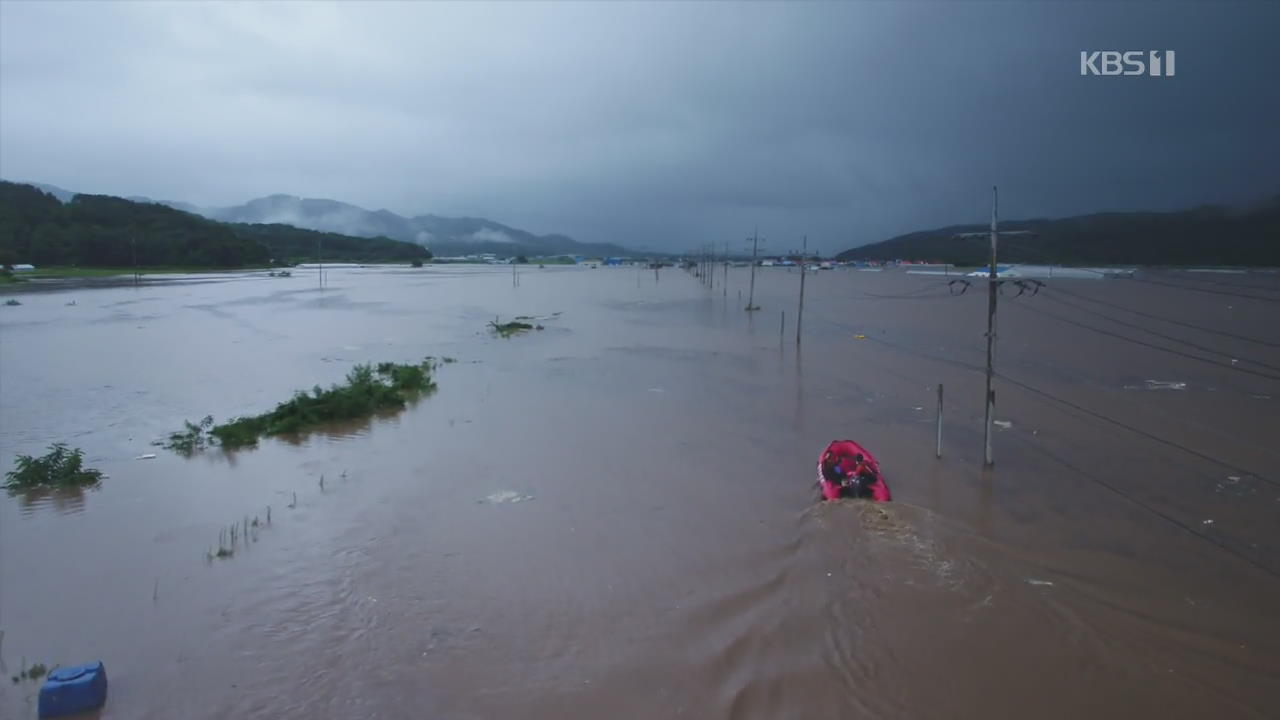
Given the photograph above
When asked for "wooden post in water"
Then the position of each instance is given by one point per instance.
(939, 453)
(803, 272)
(711, 268)
(725, 284)
(755, 248)
(782, 327)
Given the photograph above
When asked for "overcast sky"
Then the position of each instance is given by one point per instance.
(663, 125)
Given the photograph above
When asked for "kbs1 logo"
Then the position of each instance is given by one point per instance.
(1154, 63)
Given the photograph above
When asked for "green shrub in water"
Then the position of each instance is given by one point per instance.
(60, 467)
(368, 390)
(191, 439)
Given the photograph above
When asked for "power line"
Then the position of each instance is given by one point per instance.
(1138, 431)
(914, 294)
(1102, 483)
(1162, 515)
(1171, 321)
(1207, 290)
(1265, 288)
(1135, 341)
(1023, 250)
(1188, 343)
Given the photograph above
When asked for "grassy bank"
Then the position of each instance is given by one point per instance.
(368, 390)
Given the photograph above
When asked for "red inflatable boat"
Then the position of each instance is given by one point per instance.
(846, 469)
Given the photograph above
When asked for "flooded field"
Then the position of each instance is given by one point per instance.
(614, 516)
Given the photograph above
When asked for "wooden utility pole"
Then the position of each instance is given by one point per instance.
(803, 271)
(993, 291)
(711, 267)
(725, 284)
(755, 248)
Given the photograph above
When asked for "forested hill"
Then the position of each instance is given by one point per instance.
(104, 231)
(1209, 235)
(299, 245)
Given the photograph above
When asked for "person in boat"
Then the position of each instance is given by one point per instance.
(846, 469)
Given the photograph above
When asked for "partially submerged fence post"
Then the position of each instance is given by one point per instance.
(782, 327)
(800, 314)
(939, 454)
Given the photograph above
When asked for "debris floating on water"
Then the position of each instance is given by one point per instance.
(73, 690)
(507, 496)
(148, 456)
(1002, 424)
(1033, 581)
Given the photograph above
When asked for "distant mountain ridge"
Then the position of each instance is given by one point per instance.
(37, 226)
(1208, 235)
(444, 236)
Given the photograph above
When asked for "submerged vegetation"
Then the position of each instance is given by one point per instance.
(367, 391)
(35, 672)
(515, 327)
(60, 467)
(238, 533)
(191, 439)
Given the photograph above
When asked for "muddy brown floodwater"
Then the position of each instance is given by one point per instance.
(614, 517)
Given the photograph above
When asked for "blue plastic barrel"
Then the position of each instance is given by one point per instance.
(75, 689)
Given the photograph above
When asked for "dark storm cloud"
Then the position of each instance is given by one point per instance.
(664, 125)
